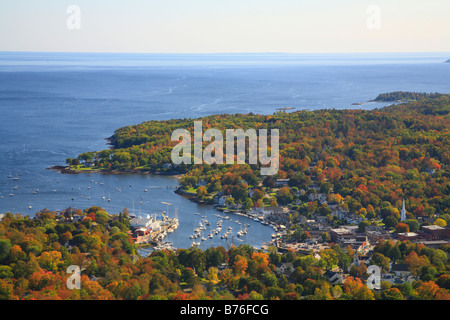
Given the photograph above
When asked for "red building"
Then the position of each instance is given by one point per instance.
(434, 232)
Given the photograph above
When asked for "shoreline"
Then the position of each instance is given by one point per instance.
(69, 170)
(179, 191)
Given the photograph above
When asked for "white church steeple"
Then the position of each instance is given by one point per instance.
(403, 214)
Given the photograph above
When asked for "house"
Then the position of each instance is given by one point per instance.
(140, 222)
(335, 277)
(202, 183)
(285, 268)
(269, 210)
(400, 270)
(281, 183)
(77, 217)
(321, 197)
(167, 165)
(393, 279)
(222, 200)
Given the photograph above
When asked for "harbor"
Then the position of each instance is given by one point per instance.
(142, 196)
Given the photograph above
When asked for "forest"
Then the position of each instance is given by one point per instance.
(405, 95)
(36, 252)
(365, 160)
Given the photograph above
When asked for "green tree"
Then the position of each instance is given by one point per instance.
(392, 294)
(5, 249)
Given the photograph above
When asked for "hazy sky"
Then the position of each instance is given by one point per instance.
(225, 25)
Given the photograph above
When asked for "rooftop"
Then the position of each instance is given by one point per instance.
(408, 234)
(433, 227)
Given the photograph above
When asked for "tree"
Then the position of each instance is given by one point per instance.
(284, 195)
(240, 265)
(356, 290)
(402, 227)
(392, 294)
(440, 222)
(248, 204)
(6, 272)
(394, 253)
(391, 221)
(50, 260)
(427, 290)
(212, 275)
(381, 261)
(415, 262)
(229, 201)
(102, 217)
(6, 289)
(5, 248)
(328, 258)
(188, 276)
(413, 225)
(202, 192)
(362, 226)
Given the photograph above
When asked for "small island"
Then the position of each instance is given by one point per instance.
(403, 96)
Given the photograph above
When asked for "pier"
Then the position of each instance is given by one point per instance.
(151, 231)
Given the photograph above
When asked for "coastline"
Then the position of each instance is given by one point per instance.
(69, 170)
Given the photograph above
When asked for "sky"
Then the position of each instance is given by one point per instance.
(225, 26)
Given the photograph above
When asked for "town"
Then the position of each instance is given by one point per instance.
(335, 225)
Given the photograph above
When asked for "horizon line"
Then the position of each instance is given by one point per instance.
(223, 53)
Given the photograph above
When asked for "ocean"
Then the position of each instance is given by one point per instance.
(57, 105)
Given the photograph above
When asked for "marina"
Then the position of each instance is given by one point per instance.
(143, 195)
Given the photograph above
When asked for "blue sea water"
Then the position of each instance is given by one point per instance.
(57, 105)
